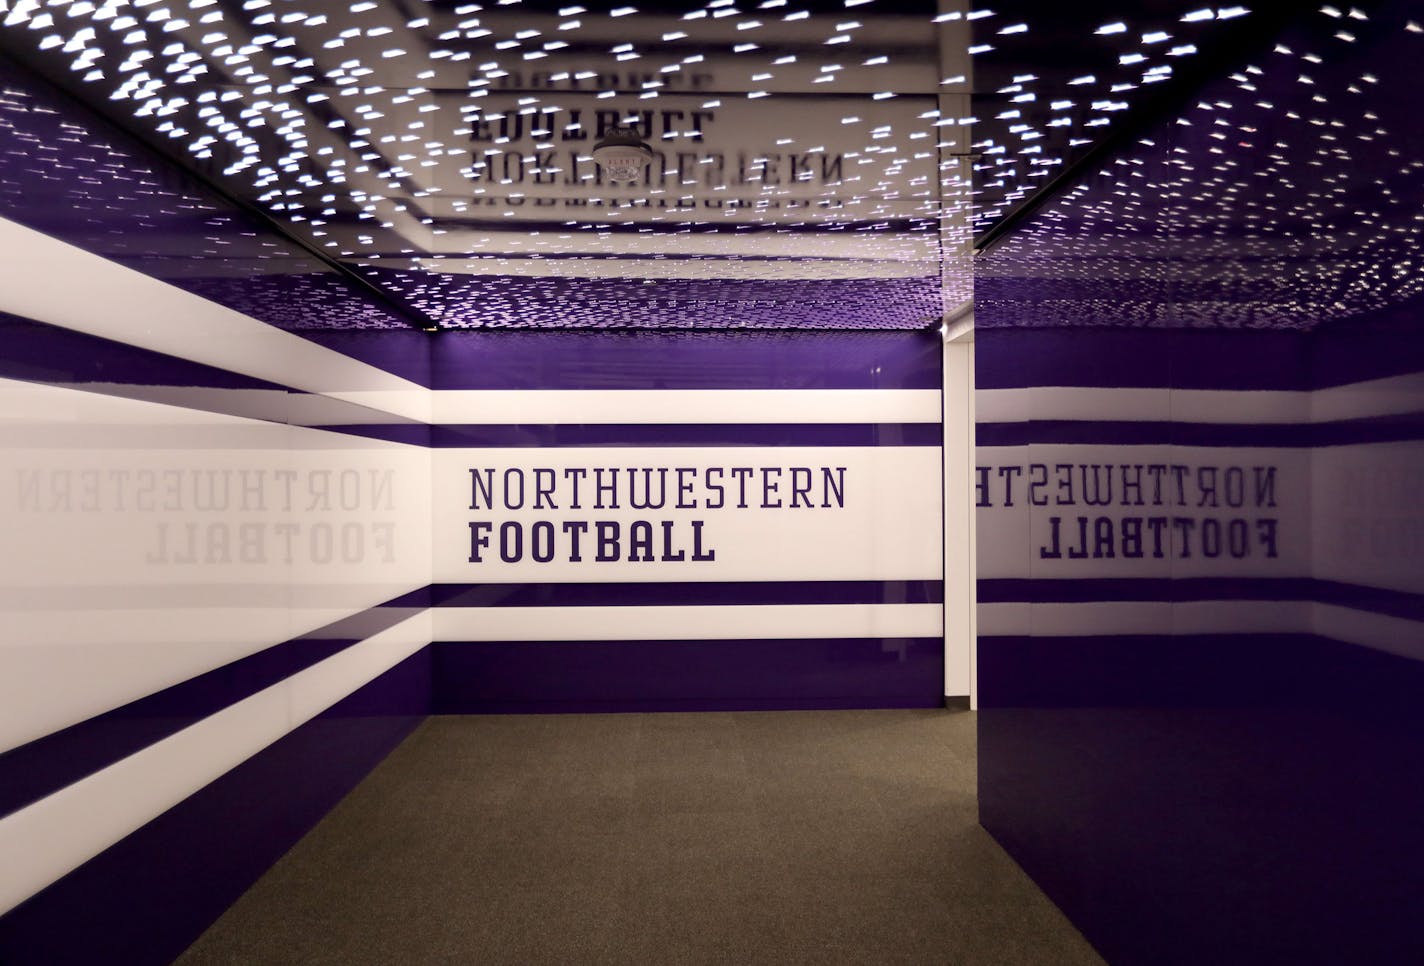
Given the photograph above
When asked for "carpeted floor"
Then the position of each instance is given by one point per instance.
(747, 838)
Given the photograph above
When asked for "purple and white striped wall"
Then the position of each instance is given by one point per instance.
(789, 484)
(240, 565)
(200, 652)
(1200, 613)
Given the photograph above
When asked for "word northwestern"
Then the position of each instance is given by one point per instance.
(579, 490)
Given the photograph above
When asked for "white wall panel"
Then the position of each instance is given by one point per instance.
(657, 406)
(687, 622)
(887, 529)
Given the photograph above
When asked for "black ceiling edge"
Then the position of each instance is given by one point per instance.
(1253, 36)
(116, 128)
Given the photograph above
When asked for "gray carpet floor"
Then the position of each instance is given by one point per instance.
(746, 838)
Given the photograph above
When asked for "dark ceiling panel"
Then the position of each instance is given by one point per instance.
(1287, 196)
(65, 173)
(1053, 81)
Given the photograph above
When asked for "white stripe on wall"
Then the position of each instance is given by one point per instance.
(66, 656)
(1380, 632)
(56, 834)
(712, 406)
(687, 623)
(1377, 397)
(129, 653)
(64, 285)
(1359, 400)
(272, 405)
(1145, 617)
(1141, 405)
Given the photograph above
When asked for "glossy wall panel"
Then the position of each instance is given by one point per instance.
(206, 518)
(1200, 382)
(1209, 756)
(147, 897)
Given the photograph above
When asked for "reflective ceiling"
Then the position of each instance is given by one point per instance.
(819, 164)
(1288, 194)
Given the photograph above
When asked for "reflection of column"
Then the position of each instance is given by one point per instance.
(956, 75)
(959, 553)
